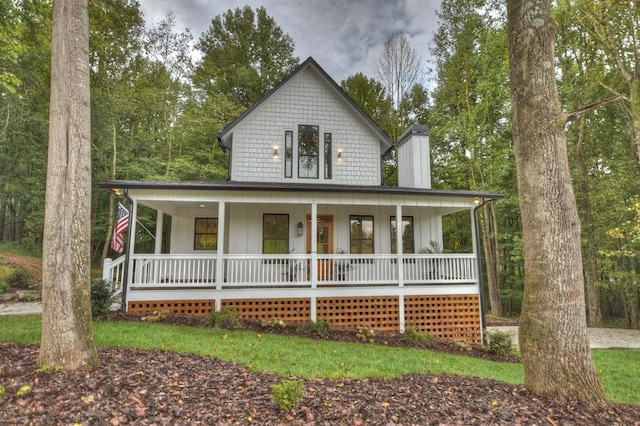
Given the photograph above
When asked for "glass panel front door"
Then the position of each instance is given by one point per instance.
(324, 243)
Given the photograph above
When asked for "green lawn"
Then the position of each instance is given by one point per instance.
(293, 356)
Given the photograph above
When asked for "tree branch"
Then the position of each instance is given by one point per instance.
(572, 116)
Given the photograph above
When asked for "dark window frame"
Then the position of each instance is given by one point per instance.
(404, 242)
(304, 156)
(275, 238)
(196, 234)
(288, 153)
(328, 157)
(360, 239)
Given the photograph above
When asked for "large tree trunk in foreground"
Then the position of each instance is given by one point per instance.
(67, 334)
(553, 330)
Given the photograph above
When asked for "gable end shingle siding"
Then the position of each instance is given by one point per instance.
(305, 99)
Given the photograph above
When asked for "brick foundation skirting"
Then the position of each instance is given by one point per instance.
(446, 317)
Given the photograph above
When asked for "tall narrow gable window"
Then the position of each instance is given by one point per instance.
(288, 153)
(408, 245)
(327, 155)
(275, 234)
(361, 234)
(308, 151)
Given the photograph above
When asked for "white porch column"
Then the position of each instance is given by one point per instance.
(399, 247)
(475, 247)
(132, 241)
(220, 253)
(159, 226)
(400, 264)
(314, 257)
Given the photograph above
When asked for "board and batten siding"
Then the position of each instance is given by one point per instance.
(306, 99)
(246, 227)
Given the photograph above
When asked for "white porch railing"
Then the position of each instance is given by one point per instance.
(113, 272)
(265, 271)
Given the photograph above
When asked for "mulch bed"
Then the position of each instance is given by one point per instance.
(137, 387)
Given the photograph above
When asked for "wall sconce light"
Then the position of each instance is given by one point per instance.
(299, 229)
(339, 155)
(275, 151)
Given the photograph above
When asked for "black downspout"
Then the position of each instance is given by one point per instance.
(479, 257)
(132, 241)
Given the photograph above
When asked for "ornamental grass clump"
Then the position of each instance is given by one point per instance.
(227, 318)
(418, 337)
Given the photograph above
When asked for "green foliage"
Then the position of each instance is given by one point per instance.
(287, 393)
(365, 334)
(101, 296)
(20, 278)
(227, 318)
(48, 369)
(1, 392)
(320, 328)
(273, 323)
(500, 342)
(23, 390)
(244, 54)
(3, 287)
(417, 336)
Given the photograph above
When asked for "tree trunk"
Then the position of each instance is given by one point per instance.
(492, 258)
(594, 314)
(67, 334)
(107, 238)
(553, 331)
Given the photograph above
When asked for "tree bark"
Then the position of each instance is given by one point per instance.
(492, 258)
(594, 313)
(67, 334)
(553, 331)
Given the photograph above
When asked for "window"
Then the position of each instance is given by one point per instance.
(308, 151)
(361, 234)
(407, 235)
(206, 234)
(327, 155)
(288, 153)
(275, 234)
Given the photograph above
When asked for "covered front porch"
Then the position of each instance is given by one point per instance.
(379, 287)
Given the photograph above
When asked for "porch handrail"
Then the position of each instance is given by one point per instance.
(113, 273)
(294, 270)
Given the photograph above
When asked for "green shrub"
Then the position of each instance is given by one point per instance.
(287, 393)
(227, 318)
(500, 343)
(20, 278)
(417, 336)
(273, 323)
(365, 334)
(3, 287)
(320, 328)
(101, 297)
(1, 392)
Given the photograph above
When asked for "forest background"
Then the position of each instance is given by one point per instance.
(156, 110)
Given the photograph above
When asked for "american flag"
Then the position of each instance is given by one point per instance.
(122, 223)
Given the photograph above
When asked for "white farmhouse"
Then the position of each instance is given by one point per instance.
(304, 228)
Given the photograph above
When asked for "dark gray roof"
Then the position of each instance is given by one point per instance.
(312, 63)
(293, 187)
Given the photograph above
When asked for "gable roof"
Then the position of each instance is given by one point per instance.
(308, 63)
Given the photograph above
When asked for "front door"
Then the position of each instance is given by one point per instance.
(324, 244)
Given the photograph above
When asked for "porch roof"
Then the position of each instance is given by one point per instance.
(119, 186)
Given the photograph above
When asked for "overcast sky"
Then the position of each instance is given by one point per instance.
(343, 36)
